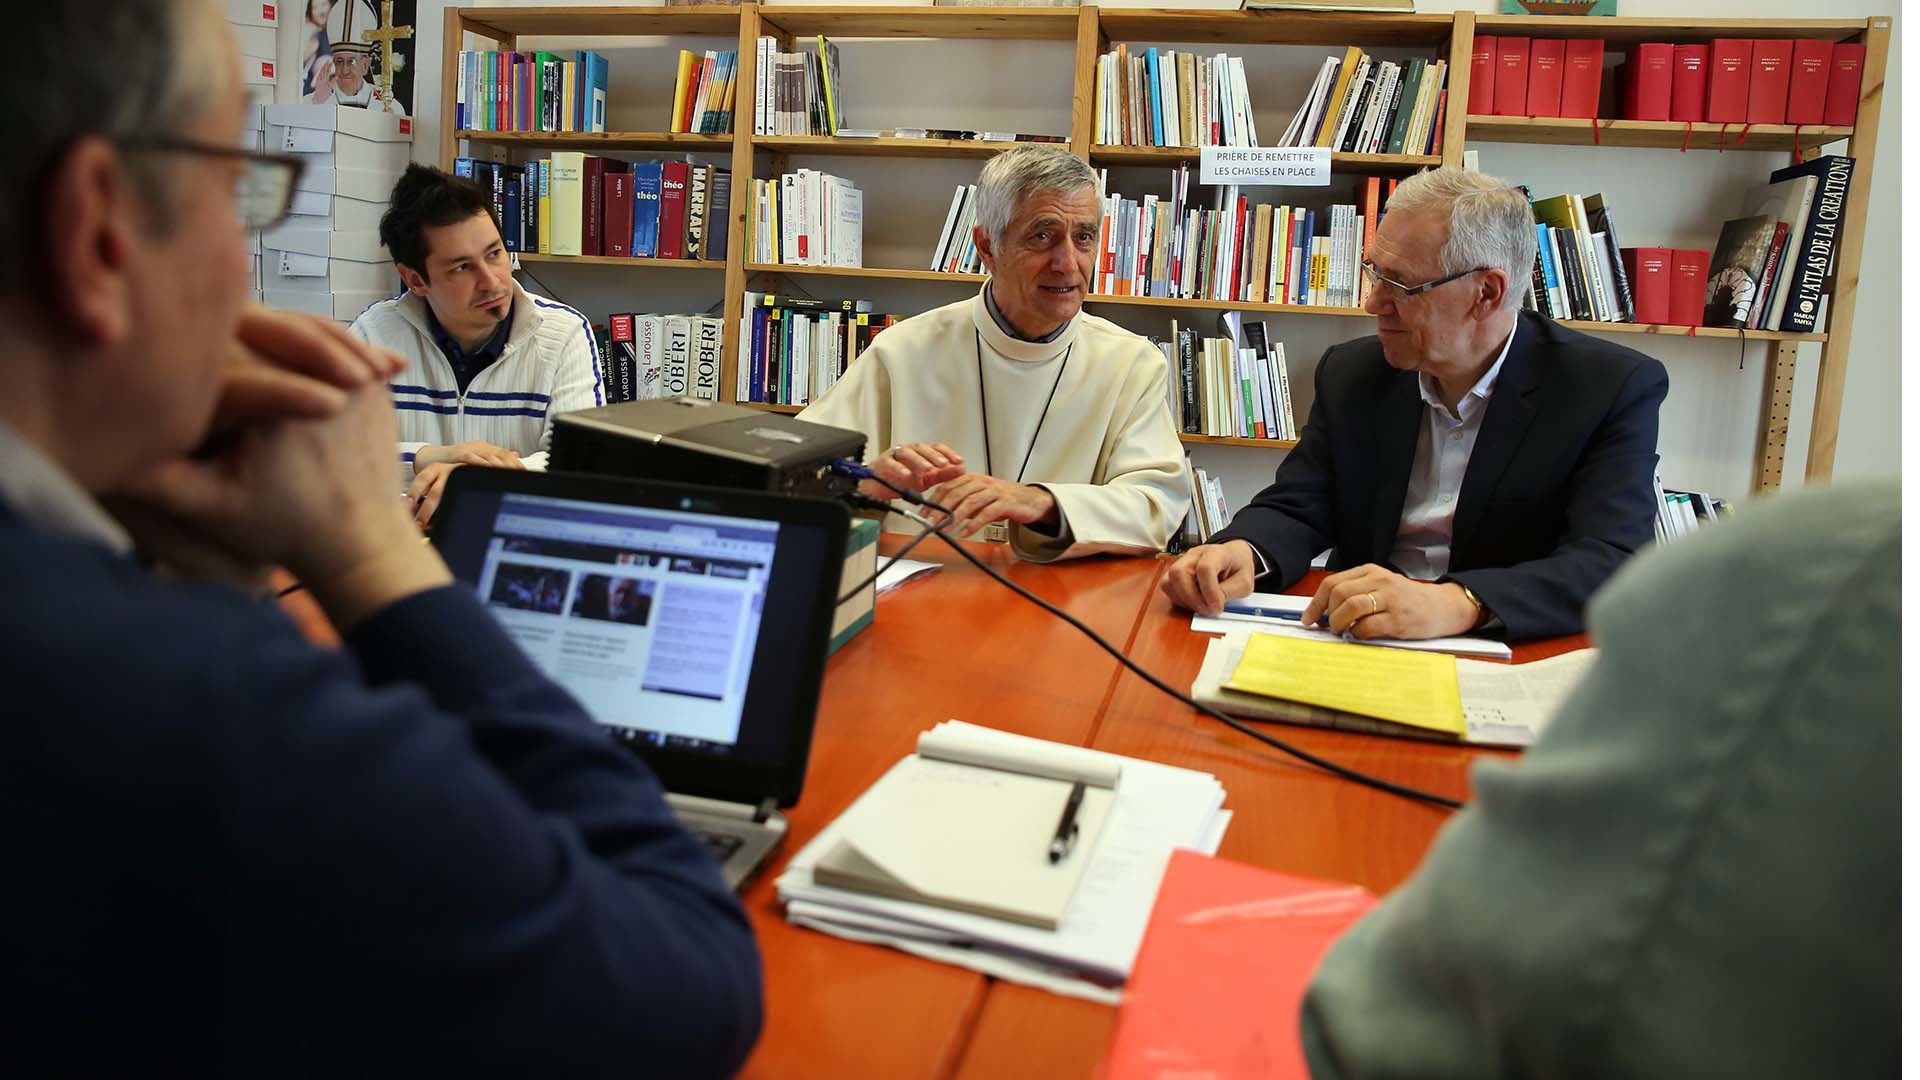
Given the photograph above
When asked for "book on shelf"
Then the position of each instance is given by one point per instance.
(1236, 251)
(1689, 288)
(807, 218)
(1208, 512)
(1679, 513)
(1223, 387)
(1808, 272)
(574, 203)
(1729, 79)
(703, 92)
(1163, 97)
(1843, 83)
(799, 92)
(792, 350)
(1359, 105)
(653, 356)
(1584, 276)
(530, 91)
(1689, 104)
(1737, 275)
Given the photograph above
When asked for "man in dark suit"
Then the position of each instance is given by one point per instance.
(1474, 467)
(225, 850)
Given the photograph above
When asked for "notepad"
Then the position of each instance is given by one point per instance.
(1420, 690)
(967, 837)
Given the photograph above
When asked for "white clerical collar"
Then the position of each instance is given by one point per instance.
(49, 500)
(1014, 347)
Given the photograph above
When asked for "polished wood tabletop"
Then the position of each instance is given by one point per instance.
(957, 645)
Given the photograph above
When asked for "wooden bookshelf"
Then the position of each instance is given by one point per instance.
(1175, 155)
(1184, 303)
(888, 147)
(1664, 330)
(630, 264)
(1653, 134)
(872, 273)
(1091, 31)
(1235, 440)
(602, 142)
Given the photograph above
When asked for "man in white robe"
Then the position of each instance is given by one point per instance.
(1015, 405)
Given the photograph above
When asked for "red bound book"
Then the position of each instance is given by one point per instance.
(1687, 303)
(1772, 68)
(593, 215)
(1689, 83)
(1807, 85)
(1648, 83)
(1843, 84)
(618, 207)
(1651, 269)
(1480, 98)
(1729, 80)
(1510, 76)
(1546, 62)
(673, 209)
(1580, 78)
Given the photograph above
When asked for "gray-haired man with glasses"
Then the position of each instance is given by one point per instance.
(226, 851)
(1473, 467)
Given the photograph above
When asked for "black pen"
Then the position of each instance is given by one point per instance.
(1069, 828)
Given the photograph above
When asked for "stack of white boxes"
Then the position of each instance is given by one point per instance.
(255, 139)
(327, 257)
(256, 26)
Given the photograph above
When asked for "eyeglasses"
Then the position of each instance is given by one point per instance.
(1402, 292)
(264, 195)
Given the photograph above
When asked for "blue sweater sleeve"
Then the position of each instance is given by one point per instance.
(464, 873)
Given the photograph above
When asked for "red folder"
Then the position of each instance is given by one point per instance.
(1687, 303)
(1480, 98)
(1843, 83)
(1651, 272)
(1807, 89)
(1729, 80)
(1689, 83)
(1510, 76)
(1647, 81)
(1772, 69)
(1580, 78)
(1223, 968)
(673, 209)
(1546, 62)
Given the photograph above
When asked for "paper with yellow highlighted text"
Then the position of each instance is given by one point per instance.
(1418, 689)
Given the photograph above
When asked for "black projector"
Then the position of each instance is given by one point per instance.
(692, 441)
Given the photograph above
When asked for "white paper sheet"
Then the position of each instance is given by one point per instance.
(902, 571)
(1232, 623)
(1511, 704)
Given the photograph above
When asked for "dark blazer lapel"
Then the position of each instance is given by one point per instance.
(1397, 423)
(1510, 412)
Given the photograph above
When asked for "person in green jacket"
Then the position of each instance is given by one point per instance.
(1696, 872)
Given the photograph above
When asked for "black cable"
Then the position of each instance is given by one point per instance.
(1335, 768)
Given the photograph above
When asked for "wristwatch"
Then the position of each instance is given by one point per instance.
(1480, 610)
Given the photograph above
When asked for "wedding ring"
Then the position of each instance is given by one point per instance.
(1375, 601)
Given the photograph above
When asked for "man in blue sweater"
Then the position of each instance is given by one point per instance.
(224, 851)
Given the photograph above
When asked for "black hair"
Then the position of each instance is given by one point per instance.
(427, 198)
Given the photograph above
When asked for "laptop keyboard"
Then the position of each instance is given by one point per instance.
(722, 845)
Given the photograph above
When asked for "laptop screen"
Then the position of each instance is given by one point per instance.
(689, 625)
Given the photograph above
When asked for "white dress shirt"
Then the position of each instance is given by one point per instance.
(1423, 546)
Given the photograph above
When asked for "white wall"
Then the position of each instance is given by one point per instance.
(1711, 420)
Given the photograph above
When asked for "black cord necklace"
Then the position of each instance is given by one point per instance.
(986, 432)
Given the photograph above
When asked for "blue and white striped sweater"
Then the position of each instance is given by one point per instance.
(550, 365)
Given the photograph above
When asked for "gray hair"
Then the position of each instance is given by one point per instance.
(1018, 173)
(1489, 223)
(129, 67)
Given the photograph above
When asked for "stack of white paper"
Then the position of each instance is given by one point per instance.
(1156, 808)
(1276, 607)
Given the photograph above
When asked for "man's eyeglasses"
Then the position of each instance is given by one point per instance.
(264, 195)
(1401, 292)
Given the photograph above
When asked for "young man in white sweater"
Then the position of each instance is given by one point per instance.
(1016, 406)
(488, 364)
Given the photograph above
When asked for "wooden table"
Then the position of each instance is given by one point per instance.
(957, 645)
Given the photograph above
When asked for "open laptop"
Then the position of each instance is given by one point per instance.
(692, 622)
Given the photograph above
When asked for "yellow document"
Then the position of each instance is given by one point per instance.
(1418, 689)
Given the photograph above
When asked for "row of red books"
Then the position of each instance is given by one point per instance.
(1744, 81)
(1730, 81)
(1516, 76)
(1669, 284)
